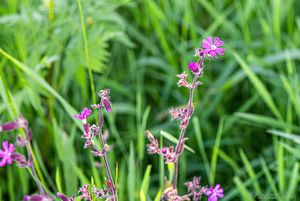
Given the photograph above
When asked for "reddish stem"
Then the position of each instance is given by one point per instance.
(182, 132)
(106, 164)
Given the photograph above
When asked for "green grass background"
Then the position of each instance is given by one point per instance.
(55, 55)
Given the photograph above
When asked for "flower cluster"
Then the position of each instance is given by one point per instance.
(89, 135)
(85, 193)
(211, 48)
(195, 189)
(153, 148)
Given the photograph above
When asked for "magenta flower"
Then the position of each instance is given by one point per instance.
(213, 49)
(194, 67)
(84, 114)
(6, 153)
(214, 193)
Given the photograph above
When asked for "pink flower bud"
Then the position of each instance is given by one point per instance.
(64, 197)
(194, 67)
(106, 104)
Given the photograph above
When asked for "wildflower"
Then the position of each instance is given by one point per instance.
(101, 152)
(6, 153)
(199, 52)
(193, 185)
(20, 122)
(181, 114)
(153, 146)
(178, 113)
(37, 197)
(195, 189)
(88, 143)
(214, 193)
(85, 194)
(182, 80)
(64, 197)
(83, 115)
(100, 193)
(212, 49)
(168, 153)
(104, 95)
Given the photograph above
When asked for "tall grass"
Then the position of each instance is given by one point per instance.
(247, 124)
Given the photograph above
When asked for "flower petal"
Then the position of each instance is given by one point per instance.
(220, 195)
(218, 42)
(207, 42)
(220, 51)
(5, 145)
(208, 192)
(3, 162)
(213, 53)
(213, 198)
(11, 148)
(217, 187)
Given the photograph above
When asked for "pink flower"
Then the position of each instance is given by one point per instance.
(84, 114)
(153, 146)
(214, 193)
(100, 193)
(213, 49)
(168, 153)
(199, 52)
(7, 153)
(182, 80)
(85, 194)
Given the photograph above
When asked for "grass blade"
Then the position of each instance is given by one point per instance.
(215, 153)
(258, 85)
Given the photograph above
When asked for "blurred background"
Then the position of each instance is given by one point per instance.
(245, 130)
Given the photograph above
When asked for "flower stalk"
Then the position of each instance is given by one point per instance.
(90, 133)
(211, 48)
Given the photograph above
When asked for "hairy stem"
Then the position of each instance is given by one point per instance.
(182, 132)
(32, 167)
(106, 164)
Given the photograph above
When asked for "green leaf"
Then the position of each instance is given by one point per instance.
(174, 140)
